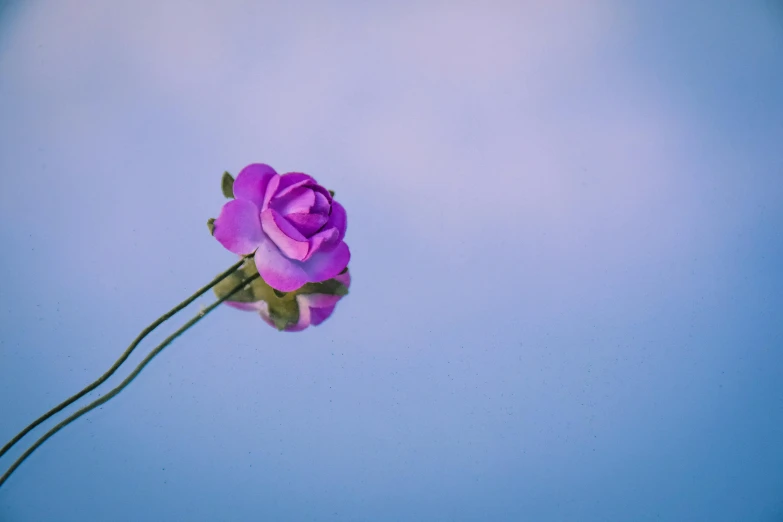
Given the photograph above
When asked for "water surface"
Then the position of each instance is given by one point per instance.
(566, 300)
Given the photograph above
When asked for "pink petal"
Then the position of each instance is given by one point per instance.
(278, 271)
(319, 300)
(285, 235)
(344, 278)
(291, 181)
(304, 315)
(338, 219)
(319, 315)
(322, 241)
(319, 306)
(252, 182)
(247, 307)
(308, 224)
(325, 265)
(264, 313)
(321, 205)
(299, 200)
(238, 227)
(270, 191)
(325, 193)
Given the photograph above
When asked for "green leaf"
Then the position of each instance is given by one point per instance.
(227, 185)
(211, 225)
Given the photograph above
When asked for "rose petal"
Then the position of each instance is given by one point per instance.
(319, 315)
(320, 306)
(319, 300)
(307, 224)
(291, 181)
(247, 307)
(285, 235)
(324, 240)
(238, 227)
(325, 265)
(322, 190)
(252, 182)
(298, 201)
(344, 278)
(278, 271)
(322, 203)
(338, 219)
(270, 191)
(304, 317)
(264, 313)
(296, 327)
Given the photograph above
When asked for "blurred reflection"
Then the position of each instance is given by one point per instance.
(294, 311)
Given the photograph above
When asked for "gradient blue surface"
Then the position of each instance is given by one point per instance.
(565, 219)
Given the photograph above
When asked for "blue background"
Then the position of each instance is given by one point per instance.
(566, 224)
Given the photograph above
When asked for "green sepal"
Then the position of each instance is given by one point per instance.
(341, 290)
(330, 287)
(284, 312)
(227, 185)
(211, 225)
(331, 192)
(280, 322)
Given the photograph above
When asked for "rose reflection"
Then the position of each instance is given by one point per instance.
(294, 311)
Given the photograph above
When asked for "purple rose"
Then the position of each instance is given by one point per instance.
(313, 308)
(291, 223)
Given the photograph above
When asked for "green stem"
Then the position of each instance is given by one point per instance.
(126, 382)
(122, 358)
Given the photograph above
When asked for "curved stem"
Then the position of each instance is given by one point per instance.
(124, 383)
(122, 358)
